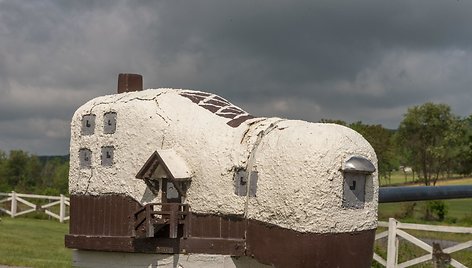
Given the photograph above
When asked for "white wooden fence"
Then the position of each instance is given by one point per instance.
(395, 231)
(15, 198)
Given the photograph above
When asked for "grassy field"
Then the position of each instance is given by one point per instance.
(455, 181)
(458, 211)
(398, 178)
(33, 243)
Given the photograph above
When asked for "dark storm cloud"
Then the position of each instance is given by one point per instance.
(308, 41)
(351, 60)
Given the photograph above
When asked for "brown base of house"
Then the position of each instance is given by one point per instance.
(268, 244)
(213, 234)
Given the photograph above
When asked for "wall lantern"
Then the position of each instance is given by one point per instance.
(356, 170)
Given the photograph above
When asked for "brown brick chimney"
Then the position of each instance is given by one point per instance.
(130, 82)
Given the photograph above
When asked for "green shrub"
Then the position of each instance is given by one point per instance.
(436, 209)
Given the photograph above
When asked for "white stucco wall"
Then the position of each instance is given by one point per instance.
(300, 185)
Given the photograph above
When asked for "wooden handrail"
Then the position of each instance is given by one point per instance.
(177, 214)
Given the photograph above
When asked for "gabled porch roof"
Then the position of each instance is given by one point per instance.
(165, 164)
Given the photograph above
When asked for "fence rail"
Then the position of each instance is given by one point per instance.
(395, 232)
(14, 198)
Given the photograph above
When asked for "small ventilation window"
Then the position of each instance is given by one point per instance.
(88, 124)
(107, 156)
(241, 181)
(85, 158)
(172, 192)
(109, 124)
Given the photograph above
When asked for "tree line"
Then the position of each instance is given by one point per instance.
(431, 140)
(26, 173)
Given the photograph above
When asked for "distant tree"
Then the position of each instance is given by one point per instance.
(428, 135)
(464, 156)
(21, 171)
(16, 173)
(55, 175)
(381, 140)
(4, 187)
(333, 121)
(455, 147)
(48, 171)
(405, 159)
(61, 178)
(33, 172)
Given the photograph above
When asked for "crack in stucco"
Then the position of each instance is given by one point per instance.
(163, 139)
(98, 104)
(89, 180)
(252, 125)
(95, 104)
(244, 135)
(112, 101)
(142, 99)
(158, 114)
(162, 117)
(261, 135)
(351, 140)
(252, 158)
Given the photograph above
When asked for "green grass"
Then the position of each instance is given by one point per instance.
(458, 210)
(33, 243)
(398, 178)
(455, 181)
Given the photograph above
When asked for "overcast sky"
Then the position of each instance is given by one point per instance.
(350, 60)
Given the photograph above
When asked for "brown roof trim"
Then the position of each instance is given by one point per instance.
(148, 165)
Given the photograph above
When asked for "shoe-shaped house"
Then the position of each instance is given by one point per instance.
(187, 173)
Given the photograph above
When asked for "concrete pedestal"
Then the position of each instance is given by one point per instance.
(100, 259)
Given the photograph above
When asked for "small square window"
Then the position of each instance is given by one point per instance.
(88, 124)
(107, 156)
(85, 158)
(109, 124)
(241, 180)
(354, 190)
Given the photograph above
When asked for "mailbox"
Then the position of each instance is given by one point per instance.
(177, 171)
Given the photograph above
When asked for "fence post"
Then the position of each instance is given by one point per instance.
(14, 204)
(391, 244)
(62, 210)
